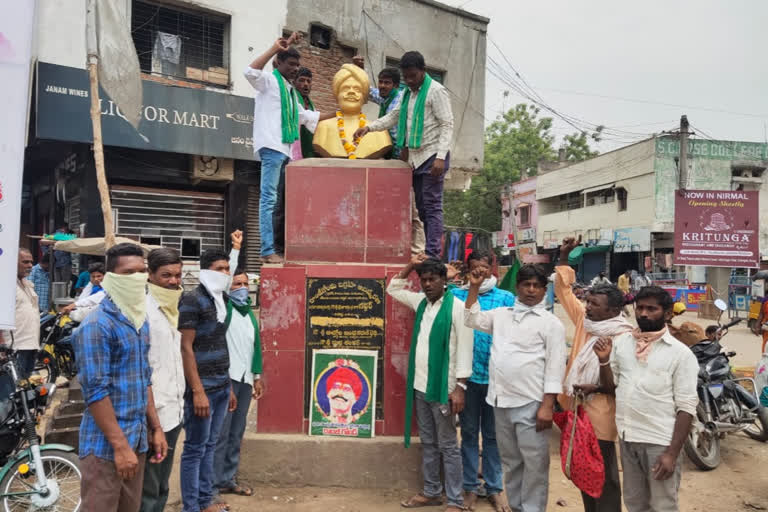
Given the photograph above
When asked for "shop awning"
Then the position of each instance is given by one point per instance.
(577, 255)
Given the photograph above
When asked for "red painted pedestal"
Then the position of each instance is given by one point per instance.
(357, 216)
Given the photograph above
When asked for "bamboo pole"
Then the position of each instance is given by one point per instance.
(98, 147)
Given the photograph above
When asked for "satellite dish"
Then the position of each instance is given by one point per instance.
(721, 305)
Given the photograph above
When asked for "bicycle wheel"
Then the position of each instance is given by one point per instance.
(63, 472)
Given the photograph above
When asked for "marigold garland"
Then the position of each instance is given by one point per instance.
(349, 147)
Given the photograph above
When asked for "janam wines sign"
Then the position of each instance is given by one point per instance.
(717, 228)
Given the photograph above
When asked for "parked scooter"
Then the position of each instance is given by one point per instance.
(725, 405)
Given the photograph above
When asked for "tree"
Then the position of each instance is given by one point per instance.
(516, 141)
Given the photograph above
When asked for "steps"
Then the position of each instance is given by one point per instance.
(64, 427)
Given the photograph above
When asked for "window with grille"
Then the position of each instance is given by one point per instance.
(525, 216)
(180, 43)
(621, 198)
(436, 74)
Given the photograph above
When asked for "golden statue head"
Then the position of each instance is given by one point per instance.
(351, 87)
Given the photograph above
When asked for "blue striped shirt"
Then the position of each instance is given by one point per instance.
(495, 298)
(113, 362)
(42, 282)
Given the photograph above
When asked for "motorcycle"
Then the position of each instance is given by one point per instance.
(725, 405)
(33, 476)
(57, 355)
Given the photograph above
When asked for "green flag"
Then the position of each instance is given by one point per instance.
(509, 282)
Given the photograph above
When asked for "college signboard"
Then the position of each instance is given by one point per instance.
(717, 228)
(343, 393)
(173, 119)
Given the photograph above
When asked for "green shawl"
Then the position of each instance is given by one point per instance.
(417, 123)
(307, 150)
(439, 356)
(247, 310)
(289, 110)
(392, 95)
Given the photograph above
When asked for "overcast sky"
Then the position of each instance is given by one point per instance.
(706, 57)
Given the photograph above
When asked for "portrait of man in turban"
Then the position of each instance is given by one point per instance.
(342, 392)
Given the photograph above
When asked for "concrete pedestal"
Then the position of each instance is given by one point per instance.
(346, 221)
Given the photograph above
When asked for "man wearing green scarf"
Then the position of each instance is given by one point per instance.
(424, 123)
(277, 116)
(440, 362)
(387, 96)
(244, 345)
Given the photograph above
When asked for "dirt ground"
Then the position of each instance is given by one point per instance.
(737, 485)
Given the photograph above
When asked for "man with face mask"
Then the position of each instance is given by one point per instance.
(120, 424)
(654, 378)
(208, 397)
(600, 317)
(244, 347)
(163, 294)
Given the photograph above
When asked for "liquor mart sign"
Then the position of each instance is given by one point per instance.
(717, 228)
(174, 119)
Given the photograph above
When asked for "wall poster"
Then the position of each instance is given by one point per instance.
(343, 384)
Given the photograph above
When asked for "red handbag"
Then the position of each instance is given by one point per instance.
(580, 454)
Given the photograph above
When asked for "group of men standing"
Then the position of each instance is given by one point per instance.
(153, 360)
(417, 115)
(637, 385)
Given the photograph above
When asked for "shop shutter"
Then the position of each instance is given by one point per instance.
(187, 221)
(252, 235)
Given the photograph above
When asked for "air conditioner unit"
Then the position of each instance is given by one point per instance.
(211, 168)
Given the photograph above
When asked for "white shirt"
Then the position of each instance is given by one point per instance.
(84, 305)
(649, 395)
(240, 341)
(26, 335)
(168, 382)
(528, 352)
(438, 124)
(267, 124)
(461, 341)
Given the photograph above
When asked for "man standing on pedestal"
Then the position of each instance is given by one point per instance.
(425, 130)
(303, 84)
(440, 362)
(278, 114)
(477, 416)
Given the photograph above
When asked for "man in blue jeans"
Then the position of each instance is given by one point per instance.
(477, 415)
(208, 397)
(278, 114)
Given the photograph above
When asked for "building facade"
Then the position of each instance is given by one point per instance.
(623, 201)
(519, 216)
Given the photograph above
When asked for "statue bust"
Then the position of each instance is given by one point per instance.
(351, 87)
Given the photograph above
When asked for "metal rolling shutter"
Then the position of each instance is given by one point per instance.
(252, 236)
(187, 221)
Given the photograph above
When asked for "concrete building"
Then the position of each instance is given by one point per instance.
(623, 201)
(194, 178)
(453, 42)
(520, 210)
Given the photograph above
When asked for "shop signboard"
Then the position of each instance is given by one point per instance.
(631, 240)
(717, 228)
(173, 119)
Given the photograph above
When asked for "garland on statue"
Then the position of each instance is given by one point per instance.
(349, 147)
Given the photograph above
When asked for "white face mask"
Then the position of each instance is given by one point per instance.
(216, 283)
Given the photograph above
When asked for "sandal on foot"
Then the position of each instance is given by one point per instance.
(239, 490)
(419, 500)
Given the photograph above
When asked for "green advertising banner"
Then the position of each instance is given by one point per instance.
(343, 393)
